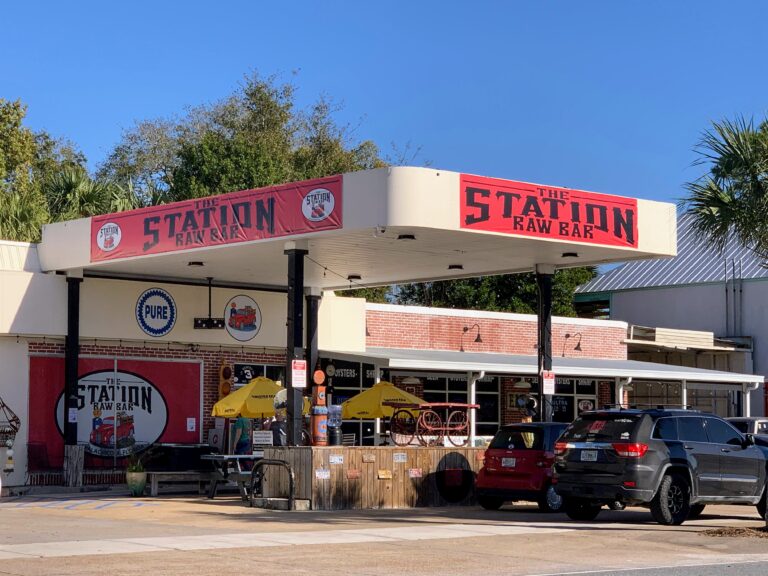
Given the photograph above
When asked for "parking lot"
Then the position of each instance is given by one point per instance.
(113, 534)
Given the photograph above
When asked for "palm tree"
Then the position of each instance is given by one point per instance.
(732, 198)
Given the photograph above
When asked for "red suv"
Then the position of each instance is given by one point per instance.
(518, 466)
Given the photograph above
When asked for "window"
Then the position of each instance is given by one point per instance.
(599, 428)
(741, 426)
(666, 429)
(691, 429)
(720, 432)
(518, 438)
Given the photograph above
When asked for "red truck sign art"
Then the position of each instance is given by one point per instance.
(103, 434)
(242, 318)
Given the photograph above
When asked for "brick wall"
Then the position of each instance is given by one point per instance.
(399, 327)
(210, 357)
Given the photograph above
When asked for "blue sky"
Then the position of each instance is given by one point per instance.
(606, 96)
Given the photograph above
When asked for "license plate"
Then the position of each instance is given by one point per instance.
(589, 455)
(508, 462)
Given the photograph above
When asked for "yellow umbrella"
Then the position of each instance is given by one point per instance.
(254, 400)
(368, 404)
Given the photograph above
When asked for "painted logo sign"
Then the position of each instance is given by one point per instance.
(118, 413)
(243, 318)
(524, 209)
(156, 312)
(272, 212)
(318, 204)
(108, 237)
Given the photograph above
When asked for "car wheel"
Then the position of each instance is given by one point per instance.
(762, 504)
(616, 505)
(578, 509)
(696, 510)
(672, 502)
(490, 502)
(549, 500)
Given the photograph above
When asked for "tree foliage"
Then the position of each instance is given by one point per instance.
(731, 199)
(505, 293)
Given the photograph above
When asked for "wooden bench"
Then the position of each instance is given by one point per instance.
(201, 478)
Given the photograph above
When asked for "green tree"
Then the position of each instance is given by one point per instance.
(731, 199)
(505, 293)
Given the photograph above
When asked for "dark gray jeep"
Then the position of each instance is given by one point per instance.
(674, 461)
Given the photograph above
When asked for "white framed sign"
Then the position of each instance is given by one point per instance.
(548, 382)
(299, 373)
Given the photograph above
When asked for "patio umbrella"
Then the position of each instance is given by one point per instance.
(369, 404)
(254, 400)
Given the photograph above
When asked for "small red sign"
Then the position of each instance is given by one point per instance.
(524, 209)
(318, 377)
(271, 212)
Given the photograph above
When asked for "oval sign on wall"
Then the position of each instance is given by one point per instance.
(242, 317)
(116, 417)
(156, 312)
(318, 204)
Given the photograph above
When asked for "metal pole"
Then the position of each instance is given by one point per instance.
(71, 358)
(544, 274)
(114, 415)
(295, 338)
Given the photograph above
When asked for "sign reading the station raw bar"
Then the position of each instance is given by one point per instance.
(524, 209)
(285, 210)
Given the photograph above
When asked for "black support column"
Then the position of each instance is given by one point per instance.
(544, 276)
(71, 358)
(295, 331)
(313, 306)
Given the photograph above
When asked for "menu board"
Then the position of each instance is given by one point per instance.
(562, 408)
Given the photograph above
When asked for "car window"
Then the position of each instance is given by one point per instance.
(666, 429)
(601, 428)
(741, 426)
(518, 438)
(691, 428)
(721, 432)
(762, 427)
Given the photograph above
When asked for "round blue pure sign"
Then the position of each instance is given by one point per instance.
(156, 312)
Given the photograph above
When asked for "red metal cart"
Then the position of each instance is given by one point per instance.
(435, 421)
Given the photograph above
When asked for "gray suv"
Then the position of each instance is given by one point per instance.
(674, 461)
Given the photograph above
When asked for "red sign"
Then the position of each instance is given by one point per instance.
(285, 210)
(524, 209)
(147, 402)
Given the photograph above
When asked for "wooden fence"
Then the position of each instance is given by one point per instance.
(354, 477)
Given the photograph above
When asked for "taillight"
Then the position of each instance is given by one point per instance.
(560, 448)
(627, 450)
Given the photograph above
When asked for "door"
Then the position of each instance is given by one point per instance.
(739, 465)
(703, 455)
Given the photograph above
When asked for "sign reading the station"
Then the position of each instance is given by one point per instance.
(272, 212)
(524, 209)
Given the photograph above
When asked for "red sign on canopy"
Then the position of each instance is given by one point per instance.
(285, 210)
(525, 209)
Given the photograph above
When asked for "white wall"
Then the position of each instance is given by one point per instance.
(14, 390)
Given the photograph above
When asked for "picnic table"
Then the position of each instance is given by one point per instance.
(229, 467)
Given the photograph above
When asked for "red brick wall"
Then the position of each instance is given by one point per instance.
(400, 328)
(211, 358)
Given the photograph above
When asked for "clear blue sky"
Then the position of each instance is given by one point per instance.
(606, 96)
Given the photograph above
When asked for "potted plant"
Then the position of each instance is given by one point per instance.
(135, 475)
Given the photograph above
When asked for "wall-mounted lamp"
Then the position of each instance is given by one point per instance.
(522, 385)
(467, 329)
(578, 344)
(367, 332)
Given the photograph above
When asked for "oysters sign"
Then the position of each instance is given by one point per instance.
(524, 209)
(272, 212)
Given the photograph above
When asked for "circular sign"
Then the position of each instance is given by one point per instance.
(243, 318)
(108, 237)
(330, 370)
(318, 204)
(156, 312)
(318, 377)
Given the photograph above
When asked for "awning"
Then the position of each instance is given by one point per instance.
(449, 361)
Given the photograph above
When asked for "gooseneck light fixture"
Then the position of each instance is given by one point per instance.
(578, 344)
(464, 332)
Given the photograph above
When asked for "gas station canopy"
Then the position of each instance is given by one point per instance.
(366, 228)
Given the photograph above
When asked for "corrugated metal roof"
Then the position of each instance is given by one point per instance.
(444, 360)
(696, 263)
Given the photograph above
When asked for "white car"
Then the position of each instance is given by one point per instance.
(754, 425)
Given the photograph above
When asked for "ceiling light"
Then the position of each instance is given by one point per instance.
(196, 263)
(455, 267)
(406, 237)
(353, 277)
(570, 254)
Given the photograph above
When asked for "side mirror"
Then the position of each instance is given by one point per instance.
(749, 440)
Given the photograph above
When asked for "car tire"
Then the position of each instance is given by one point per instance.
(616, 505)
(761, 506)
(550, 501)
(578, 509)
(672, 502)
(696, 510)
(490, 502)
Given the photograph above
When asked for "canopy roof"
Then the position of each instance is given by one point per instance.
(365, 228)
(447, 361)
